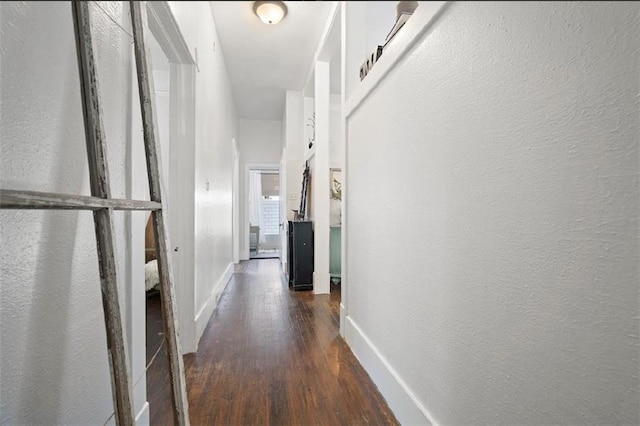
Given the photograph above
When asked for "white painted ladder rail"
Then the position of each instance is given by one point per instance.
(102, 205)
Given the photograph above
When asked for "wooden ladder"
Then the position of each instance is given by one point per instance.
(102, 205)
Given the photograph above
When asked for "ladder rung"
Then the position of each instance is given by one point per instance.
(16, 199)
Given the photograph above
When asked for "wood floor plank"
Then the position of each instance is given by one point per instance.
(271, 356)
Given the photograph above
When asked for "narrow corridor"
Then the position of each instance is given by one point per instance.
(272, 356)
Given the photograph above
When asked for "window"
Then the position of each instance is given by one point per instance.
(270, 209)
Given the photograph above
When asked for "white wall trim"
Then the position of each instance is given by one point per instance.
(422, 20)
(142, 418)
(188, 337)
(165, 29)
(204, 314)
(235, 205)
(344, 281)
(402, 401)
(320, 180)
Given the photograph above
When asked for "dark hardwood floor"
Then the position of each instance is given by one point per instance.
(271, 356)
(155, 332)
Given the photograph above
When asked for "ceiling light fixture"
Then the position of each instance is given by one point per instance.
(270, 12)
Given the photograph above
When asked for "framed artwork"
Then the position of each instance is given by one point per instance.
(335, 205)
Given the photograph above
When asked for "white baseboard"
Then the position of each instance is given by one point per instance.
(203, 316)
(343, 319)
(142, 418)
(188, 337)
(402, 401)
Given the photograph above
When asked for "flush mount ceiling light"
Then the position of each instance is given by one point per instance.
(270, 12)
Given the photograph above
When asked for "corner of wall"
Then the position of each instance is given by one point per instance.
(204, 314)
(401, 400)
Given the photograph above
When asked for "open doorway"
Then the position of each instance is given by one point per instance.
(173, 91)
(264, 214)
(156, 353)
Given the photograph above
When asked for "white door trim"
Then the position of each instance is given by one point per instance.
(236, 200)
(181, 182)
(244, 255)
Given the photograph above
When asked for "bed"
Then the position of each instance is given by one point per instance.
(151, 275)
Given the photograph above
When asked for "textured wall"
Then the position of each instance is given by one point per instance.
(54, 367)
(216, 126)
(54, 362)
(493, 215)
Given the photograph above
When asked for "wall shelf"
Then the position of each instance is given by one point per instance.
(422, 19)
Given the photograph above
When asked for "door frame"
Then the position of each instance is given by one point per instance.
(235, 154)
(244, 232)
(164, 28)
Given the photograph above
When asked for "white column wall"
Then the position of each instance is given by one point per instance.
(216, 125)
(320, 181)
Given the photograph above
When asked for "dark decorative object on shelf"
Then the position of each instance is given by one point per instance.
(312, 139)
(404, 10)
(368, 64)
(306, 176)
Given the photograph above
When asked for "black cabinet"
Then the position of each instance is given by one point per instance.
(300, 255)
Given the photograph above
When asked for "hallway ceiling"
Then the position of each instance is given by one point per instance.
(265, 60)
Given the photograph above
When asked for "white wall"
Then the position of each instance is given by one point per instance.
(380, 18)
(493, 201)
(260, 142)
(161, 82)
(54, 367)
(320, 192)
(336, 144)
(48, 265)
(295, 148)
(283, 187)
(216, 126)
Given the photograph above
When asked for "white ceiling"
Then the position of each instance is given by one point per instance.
(265, 60)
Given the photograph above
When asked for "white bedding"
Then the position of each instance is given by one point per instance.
(151, 276)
